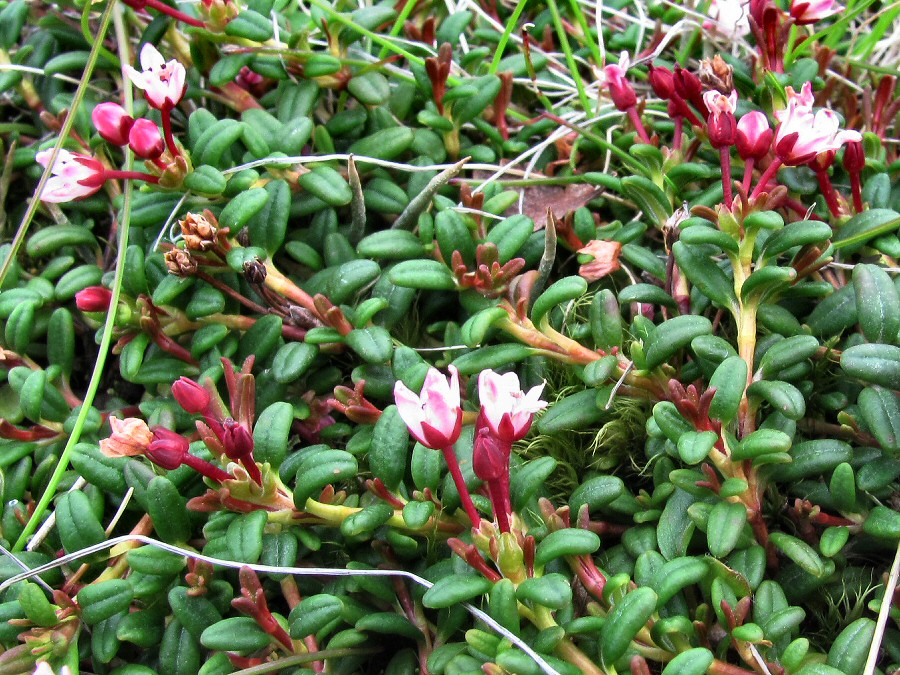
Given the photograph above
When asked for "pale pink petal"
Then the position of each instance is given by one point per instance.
(151, 59)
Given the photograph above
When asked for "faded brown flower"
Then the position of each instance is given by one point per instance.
(606, 259)
(130, 437)
(180, 263)
(716, 74)
(199, 231)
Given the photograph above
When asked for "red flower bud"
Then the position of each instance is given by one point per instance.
(236, 440)
(854, 157)
(489, 455)
(191, 396)
(145, 140)
(93, 299)
(721, 124)
(112, 122)
(661, 79)
(167, 449)
(688, 86)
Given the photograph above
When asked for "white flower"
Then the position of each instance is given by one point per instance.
(163, 83)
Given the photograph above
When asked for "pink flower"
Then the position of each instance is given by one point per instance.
(806, 12)
(163, 83)
(721, 123)
(73, 177)
(753, 137)
(620, 90)
(731, 17)
(112, 122)
(802, 101)
(434, 417)
(93, 299)
(507, 409)
(802, 135)
(145, 140)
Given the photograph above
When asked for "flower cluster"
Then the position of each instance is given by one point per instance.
(434, 418)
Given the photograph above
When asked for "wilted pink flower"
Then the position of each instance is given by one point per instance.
(802, 135)
(163, 83)
(507, 409)
(145, 140)
(620, 89)
(130, 437)
(237, 441)
(721, 123)
(606, 259)
(434, 417)
(93, 299)
(73, 177)
(753, 136)
(112, 122)
(854, 157)
(805, 12)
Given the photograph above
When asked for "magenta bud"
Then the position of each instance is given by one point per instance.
(661, 79)
(112, 122)
(167, 449)
(236, 440)
(93, 299)
(191, 396)
(145, 140)
(854, 157)
(488, 456)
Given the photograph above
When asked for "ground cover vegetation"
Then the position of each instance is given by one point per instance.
(490, 336)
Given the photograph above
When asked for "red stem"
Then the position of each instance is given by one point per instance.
(459, 481)
(679, 130)
(767, 175)
(856, 187)
(748, 174)
(638, 125)
(204, 468)
(174, 13)
(725, 158)
(167, 131)
(129, 175)
(829, 193)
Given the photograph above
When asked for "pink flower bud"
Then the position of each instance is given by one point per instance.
(688, 86)
(145, 140)
(506, 409)
(191, 396)
(168, 449)
(112, 122)
(753, 136)
(93, 299)
(434, 417)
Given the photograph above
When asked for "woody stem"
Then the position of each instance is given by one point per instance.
(459, 481)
